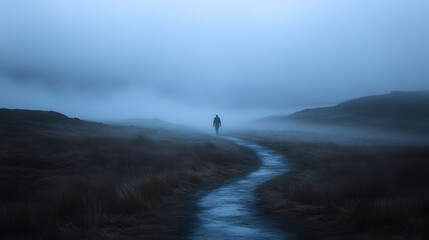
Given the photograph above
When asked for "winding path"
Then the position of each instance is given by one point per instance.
(229, 212)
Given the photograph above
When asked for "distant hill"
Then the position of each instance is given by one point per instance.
(19, 115)
(152, 123)
(398, 111)
(19, 124)
(29, 123)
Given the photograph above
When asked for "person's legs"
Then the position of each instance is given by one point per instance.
(217, 131)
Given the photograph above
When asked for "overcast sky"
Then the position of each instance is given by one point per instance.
(184, 61)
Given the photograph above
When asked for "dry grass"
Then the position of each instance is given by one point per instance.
(353, 192)
(91, 187)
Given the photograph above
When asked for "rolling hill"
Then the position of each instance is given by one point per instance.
(154, 123)
(397, 111)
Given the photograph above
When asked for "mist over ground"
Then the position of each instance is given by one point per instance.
(185, 61)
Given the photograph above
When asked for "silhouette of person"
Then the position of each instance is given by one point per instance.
(216, 124)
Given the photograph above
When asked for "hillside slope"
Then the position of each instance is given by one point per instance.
(155, 123)
(398, 111)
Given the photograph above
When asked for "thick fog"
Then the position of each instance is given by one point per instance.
(184, 61)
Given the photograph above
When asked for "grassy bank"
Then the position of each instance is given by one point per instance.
(68, 182)
(352, 191)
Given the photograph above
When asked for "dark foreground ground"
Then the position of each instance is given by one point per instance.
(350, 188)
(63, 178)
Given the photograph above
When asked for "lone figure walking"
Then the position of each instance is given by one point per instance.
(216, 124)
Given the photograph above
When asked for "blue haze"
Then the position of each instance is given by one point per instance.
(184, 61)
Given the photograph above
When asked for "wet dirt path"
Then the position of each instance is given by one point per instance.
(230, 211)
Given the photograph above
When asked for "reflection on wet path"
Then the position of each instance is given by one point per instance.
(229, 212)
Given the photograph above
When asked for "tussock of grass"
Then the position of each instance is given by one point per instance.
(360, 191)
